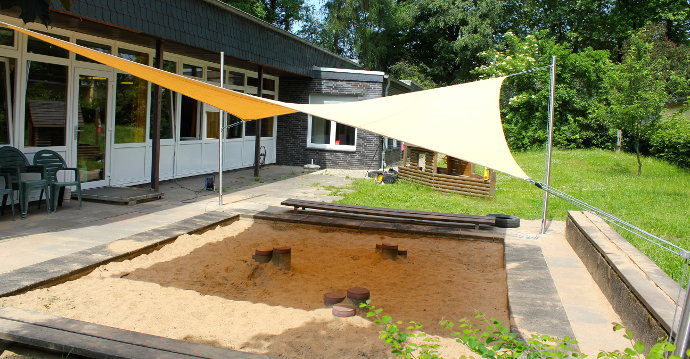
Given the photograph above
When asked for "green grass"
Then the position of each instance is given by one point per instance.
(657, 201)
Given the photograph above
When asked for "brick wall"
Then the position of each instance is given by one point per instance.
(292, 129)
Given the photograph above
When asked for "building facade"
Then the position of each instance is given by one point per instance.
(99, 119)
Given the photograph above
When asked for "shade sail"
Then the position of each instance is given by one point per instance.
(461, 121)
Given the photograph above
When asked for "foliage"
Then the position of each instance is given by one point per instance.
(444, 37)
(281, 13)
(604, 179)
(353, 29)
(671, 141)
(635, 91)
(32, 9)
(600, 24)
(403, 343)
(495, 341)
(526, 97)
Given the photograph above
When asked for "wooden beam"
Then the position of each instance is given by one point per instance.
(156, 122)
(257, 145)
(405, 156)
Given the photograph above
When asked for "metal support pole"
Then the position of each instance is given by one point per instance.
(221, 127)
(683, 335)
(156, 122)
(257, 146)
(552, 98)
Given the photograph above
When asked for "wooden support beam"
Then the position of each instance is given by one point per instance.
(156, 122)
(405, 156)
(257, 145)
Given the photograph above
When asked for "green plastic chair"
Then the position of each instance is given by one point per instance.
(14, 163)
(7, 191)
(53, 163)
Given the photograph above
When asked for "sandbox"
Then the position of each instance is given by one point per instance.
(207, 289)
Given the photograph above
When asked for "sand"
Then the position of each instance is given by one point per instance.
(207, 289)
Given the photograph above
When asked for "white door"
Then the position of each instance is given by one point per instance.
(90, 121)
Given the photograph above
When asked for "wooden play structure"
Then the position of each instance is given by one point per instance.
(458, 177)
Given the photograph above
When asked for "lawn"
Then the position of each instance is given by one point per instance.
(657, 201)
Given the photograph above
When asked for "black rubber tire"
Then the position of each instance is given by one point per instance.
(388, 178)
(506, 220)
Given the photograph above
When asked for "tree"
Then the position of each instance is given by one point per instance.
(445, 36)
(281, 13)
(525, 97)
(32, 9)
(635, 91)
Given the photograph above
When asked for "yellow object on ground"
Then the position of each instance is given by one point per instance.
(461, 121)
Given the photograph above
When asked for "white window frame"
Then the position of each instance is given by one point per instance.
(330, 99)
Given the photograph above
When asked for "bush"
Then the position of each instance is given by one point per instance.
(493, 340)
(672, 141)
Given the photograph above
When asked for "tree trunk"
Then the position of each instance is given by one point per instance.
(639, 163)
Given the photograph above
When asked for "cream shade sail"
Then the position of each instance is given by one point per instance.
(461, 121)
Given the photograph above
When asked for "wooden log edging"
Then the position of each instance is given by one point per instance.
(451, 184)
(639, 292)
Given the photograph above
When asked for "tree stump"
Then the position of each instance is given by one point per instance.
(402, 253)
(357, 296)
(344, 311)
(332, 298)
(282, 257)
(389, 251)
(263, 255)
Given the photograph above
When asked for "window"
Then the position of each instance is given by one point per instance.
(130, 108)
(269, 84)
(6, 37)
(168, 102)
(326, 134)
(235, 78)
(106, 49)
(266, 124)
(136, 56)
(36, 46)
(234, 124)
(252, 81)
(212, 119)
(131, 100)
(189, 119)
(192, 70)
(213, 74)
(5, 102)
(46, 105)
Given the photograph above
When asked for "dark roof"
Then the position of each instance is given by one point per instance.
(208, 25)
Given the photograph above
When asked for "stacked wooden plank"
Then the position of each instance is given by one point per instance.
(461, 180)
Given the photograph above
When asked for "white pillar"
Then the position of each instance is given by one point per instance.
(552, 98)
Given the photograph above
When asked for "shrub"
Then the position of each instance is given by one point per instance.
(495, 341)
(672, 141)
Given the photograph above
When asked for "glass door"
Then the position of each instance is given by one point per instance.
(90, 123)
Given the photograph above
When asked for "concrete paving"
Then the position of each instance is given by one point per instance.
(550, 290)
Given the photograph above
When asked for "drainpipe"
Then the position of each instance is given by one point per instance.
(384, 140)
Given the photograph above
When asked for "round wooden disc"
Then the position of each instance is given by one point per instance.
(282, 250)
(333, 297)
(402, 252)
(264, 251)
(344, 310)
(358, 293)
(389, 246)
